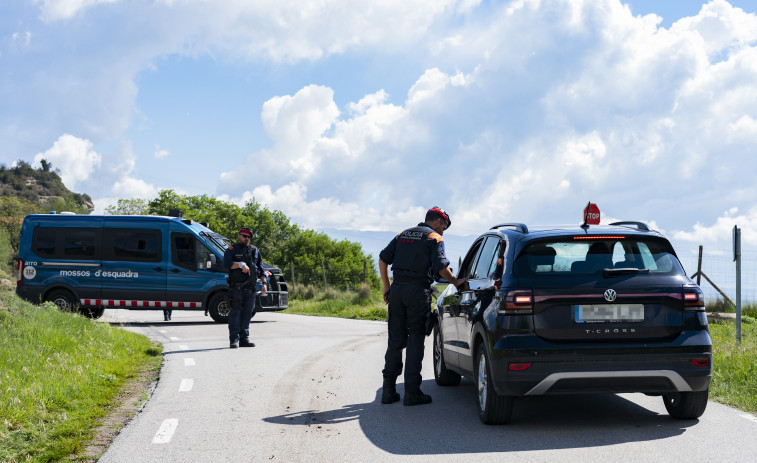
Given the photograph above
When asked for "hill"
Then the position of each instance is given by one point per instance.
(41, 187)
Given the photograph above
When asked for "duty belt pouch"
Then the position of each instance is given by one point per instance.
(431, 321)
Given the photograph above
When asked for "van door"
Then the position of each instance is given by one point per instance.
(134, 264)
(189, 275)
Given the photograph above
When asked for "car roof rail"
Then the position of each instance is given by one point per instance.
(638, 225)
(521, 227)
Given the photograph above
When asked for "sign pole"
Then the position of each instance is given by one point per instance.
(737, 258)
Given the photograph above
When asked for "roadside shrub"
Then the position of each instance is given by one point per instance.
(364, 294)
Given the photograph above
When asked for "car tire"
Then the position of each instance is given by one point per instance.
(63, 299)
(442, 375)
(686, 405)
(492, 407)
(219, 308)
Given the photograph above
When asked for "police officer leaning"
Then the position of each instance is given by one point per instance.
(245, 266)
(416, 256)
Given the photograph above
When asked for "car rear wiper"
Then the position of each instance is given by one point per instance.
(623, 271)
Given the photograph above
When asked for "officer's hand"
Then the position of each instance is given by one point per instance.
(462, 284)
(263, 291)
(245, 268)
(386, 296)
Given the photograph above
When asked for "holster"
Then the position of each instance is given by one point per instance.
(431, 321)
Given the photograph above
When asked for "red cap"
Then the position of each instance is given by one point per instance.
(442, 214)
(245, 231)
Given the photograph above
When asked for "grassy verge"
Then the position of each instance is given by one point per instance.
(364, 304)
(60, 374)
(734, 376)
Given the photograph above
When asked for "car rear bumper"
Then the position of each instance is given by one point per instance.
(561, 369)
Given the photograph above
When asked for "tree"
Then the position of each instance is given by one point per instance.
(279, 240)
(134, 206)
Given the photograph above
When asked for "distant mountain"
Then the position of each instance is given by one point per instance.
(42, 187)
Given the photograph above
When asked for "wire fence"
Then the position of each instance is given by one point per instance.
(721, 270)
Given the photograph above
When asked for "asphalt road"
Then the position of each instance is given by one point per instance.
(310, 390)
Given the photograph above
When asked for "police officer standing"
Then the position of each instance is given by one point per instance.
(245, 266)
(416, 256)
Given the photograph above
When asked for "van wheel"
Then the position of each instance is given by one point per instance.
(686, 405)
(442, 375)
(92, 312)
(219, 308)
(492, 407)
(63, 299)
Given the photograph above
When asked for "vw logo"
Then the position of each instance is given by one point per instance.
(610, 295)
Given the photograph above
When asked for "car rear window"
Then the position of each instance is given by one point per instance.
(582, 256)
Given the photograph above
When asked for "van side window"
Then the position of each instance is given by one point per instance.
(65, 243)
(43, 242)
(132, 244)
(183, 250)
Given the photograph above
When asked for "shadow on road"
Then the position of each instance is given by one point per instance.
(451, 425)
(159, 323)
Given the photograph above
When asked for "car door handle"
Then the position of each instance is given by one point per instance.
(158, 269)
(175, 270)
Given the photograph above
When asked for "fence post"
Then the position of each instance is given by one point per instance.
(291, 266)
(323, 268)
(699, 266)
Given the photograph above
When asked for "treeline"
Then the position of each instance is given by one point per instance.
(280, 241)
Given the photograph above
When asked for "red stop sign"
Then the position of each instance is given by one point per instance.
(591, 214)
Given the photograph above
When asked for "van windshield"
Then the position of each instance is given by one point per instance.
(218, 242)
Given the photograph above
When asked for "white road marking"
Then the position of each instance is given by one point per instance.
(162, 331)
(183, 347)
(186, 385)
(165, 433)
(189, 362)
(174, 338)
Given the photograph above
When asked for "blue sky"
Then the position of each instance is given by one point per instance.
(354, 117)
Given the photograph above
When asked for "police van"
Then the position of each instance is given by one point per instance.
(131, 262)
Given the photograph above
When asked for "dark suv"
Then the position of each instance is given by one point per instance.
(568, 310)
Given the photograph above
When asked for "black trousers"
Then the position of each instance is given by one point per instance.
(409, 305)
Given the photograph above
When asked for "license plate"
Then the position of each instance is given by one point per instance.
(604, 313)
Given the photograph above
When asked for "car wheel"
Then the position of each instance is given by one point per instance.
(686, 405)
(443, 376)
(492, 407)
(63, 299)
(219, 308)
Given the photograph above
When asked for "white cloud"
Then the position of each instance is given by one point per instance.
(74, 158)
(53, 10)
(720, 232)
(161, 153)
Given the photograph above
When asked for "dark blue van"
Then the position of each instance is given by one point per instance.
(132, 262)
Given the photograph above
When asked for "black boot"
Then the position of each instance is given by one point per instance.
(389, 393)
(416, 398)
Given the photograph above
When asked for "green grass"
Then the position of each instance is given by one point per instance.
(748, 309)
(60, 374)
(734, 376)
(364, 304)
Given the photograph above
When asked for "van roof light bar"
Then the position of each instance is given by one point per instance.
(521, 227)
(638, 225)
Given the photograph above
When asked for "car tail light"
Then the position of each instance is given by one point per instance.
(519, 301)
(518, 366)
(19, 272)
(701, 362)
(693, 298)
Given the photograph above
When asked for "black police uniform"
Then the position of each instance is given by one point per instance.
(416, 255)
(242, 289)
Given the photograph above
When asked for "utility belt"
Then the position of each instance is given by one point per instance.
(242, 285)
(420, 281)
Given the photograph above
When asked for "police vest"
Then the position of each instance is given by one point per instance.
(248, 255)
(416, 255)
